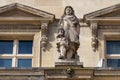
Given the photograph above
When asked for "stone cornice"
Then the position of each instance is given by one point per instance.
(24, 19)
(107, 72)
(59, 73)
(19, 26)
(109, 27)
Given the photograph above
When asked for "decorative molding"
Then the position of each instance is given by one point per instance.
(109, 27)
(44, 31)
(102, 13)
(19, 26)
(94, 42)
(20, 7)
(77, 73)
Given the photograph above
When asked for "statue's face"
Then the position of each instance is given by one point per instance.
(68, 11)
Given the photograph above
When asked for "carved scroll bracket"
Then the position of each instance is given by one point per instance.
(44, 32)
(94, 42)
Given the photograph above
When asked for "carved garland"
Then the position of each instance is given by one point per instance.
(94, 43)
(44, 31)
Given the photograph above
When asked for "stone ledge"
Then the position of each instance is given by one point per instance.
(69, 63)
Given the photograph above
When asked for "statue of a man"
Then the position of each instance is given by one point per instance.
(68, 35)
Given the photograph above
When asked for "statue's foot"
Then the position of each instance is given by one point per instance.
(61, 57)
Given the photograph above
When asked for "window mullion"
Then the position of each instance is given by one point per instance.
(15, 47)
(15, 50)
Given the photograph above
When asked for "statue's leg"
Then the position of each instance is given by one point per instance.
(70, 53)
(62, 52)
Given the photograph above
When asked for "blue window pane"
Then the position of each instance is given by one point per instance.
(24, 62)
(113, 47)
(6, 46)
(113, 63)
(25, 47)
(5, 62)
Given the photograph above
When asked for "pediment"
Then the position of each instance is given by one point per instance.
(109, 13)
(107, 18)
(20, 11)
(17, 13)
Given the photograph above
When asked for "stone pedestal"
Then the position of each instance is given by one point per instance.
(72, 63)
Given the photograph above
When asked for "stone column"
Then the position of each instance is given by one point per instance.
(44, 32)
(94, 43)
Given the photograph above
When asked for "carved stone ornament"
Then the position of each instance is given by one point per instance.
(68, 35)
(44, 31)
(94, 42)
(70, 72)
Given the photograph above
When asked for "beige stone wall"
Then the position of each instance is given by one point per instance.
(87, 55)
(50, 55)
(56, 7)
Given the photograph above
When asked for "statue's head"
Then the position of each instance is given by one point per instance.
(68, 10)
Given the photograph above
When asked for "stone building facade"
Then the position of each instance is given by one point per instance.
(34, 24)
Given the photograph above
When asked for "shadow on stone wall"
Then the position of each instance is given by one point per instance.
(52, 31)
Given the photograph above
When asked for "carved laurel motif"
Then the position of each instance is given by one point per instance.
(94, 43)
(44, 31)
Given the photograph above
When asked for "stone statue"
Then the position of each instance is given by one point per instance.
(68, 35)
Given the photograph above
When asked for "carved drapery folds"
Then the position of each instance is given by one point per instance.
(44, 31)
(94, 42)
(68, 35)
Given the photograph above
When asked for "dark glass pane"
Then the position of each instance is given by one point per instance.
(113, 63)
(25, 47)
(6, 47)
(5, 62)
(113, 47)
(24, 62)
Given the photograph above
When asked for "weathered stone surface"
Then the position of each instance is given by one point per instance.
(58, 73)
(68, 35)
(68, 63)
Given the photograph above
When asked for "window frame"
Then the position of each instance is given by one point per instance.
(111, 56)
(103, 36)
(15, 56)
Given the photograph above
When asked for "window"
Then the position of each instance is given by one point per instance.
(113, 62)
(113, 47)
(6, 46)
(113, 53)
(16, 53)
(25, 47)
(24, 62)
(5, 62)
